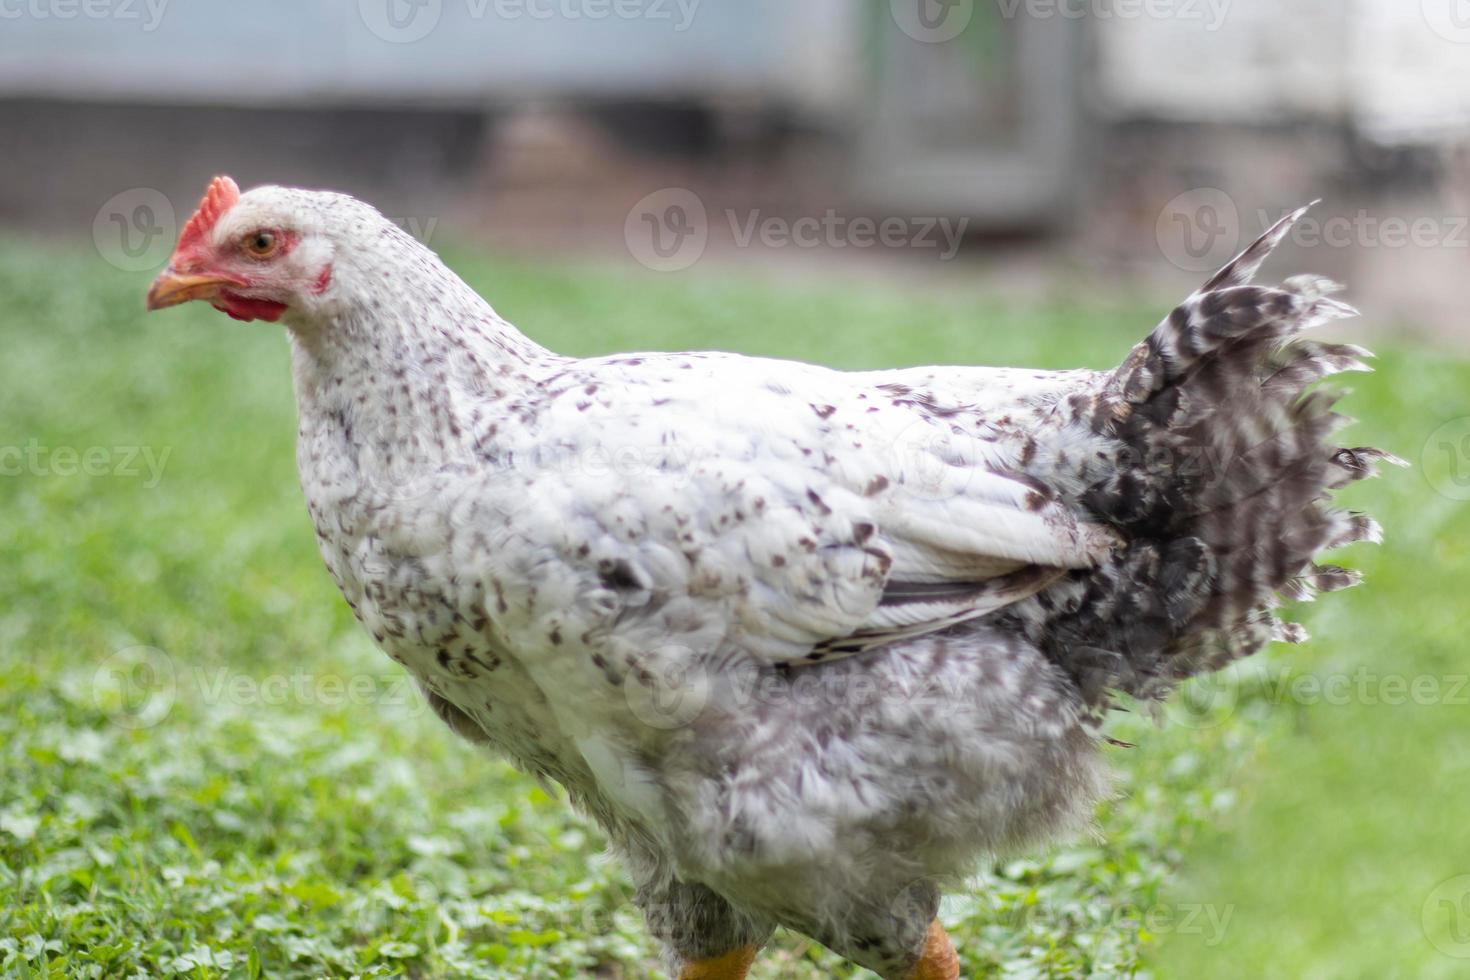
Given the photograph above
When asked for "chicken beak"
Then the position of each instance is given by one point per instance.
(172, 288)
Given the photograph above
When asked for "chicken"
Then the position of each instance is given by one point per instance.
(807, 645)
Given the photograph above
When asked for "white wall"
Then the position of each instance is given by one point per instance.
(271, 52)
(1398, 68)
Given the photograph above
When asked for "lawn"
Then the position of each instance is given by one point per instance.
(207, 770)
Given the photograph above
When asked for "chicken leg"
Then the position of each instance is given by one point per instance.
(734, 965)
(938, 961)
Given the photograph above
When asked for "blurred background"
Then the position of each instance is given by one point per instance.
(207, 770)
(1064, 142)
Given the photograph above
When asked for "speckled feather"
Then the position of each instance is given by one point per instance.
(806, 644)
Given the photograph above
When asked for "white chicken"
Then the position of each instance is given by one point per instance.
(805, 644)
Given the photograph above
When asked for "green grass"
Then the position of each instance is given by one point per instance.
(206, 770)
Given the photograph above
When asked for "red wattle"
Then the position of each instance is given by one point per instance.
(244, 308)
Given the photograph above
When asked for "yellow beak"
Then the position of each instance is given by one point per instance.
(172, 288)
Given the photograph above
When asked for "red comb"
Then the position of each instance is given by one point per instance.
(219, 198)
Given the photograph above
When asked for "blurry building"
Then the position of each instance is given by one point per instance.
(545, 119)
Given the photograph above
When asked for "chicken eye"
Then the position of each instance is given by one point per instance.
(261, 244)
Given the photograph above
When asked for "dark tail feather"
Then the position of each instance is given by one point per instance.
(1241, 270)
(1221, 487)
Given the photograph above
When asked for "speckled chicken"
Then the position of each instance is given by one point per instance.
(806, 644)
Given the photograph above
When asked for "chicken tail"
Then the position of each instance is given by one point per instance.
(1222, 487)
